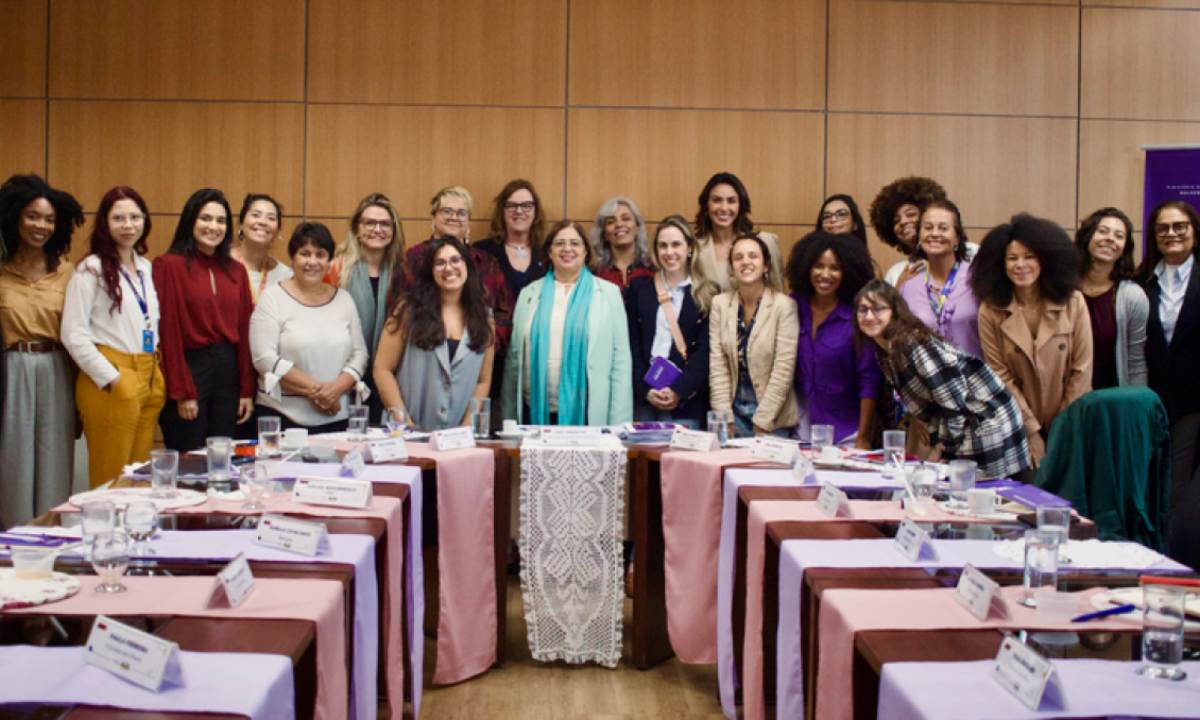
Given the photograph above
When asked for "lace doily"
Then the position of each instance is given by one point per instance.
(572, 511)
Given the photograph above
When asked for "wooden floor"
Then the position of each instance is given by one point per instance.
(528, 690)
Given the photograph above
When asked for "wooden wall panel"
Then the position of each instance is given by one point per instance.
(952, 58)
(1112, 164)
(1141, 64)
(23, 140)
(753, 54)
(23, 49)
(661, 159)
(178, 49)
(167, 151)
(991, 167)
(455, 52)
(1176, 4)
(409, 153)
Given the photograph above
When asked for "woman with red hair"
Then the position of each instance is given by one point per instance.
(110, 327)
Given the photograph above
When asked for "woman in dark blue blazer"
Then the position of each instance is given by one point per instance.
(679, 278)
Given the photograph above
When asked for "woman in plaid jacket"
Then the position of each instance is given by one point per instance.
(969, 413)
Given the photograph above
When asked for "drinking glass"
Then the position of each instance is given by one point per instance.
(481, 417)
(1041, 564)
(358, 423)
(96, 516)
(141, 520)
(718, 424)
(962, 479)
(220, 463)
(822, 437)
(1056, 518)
(253, 483)
(268, 436)
(924, 482)
(396, 419)
(1162, 631)
(110, 558)
(893, 453)
(164, 467)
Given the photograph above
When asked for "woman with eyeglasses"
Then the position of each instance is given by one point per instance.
(518, 228)
(839, 215)
(966, 408)
(723, 217)
(619, 238)
(436, 352)
(110, 327)
(258, 228)
(569, 361)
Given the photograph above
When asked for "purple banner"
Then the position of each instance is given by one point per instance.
(1171, 174)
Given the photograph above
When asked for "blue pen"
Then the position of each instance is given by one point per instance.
(1119, 610)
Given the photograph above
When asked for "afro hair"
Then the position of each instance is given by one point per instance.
(919, 191)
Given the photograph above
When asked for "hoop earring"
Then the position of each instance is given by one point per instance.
(240, 234)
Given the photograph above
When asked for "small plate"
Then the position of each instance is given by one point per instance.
(514, 435)
(828, 464)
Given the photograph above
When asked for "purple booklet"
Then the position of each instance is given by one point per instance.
(1031, 496)
(662, 373)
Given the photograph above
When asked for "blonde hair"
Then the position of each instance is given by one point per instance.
(703, 289)
(452, 191)
(351, 247)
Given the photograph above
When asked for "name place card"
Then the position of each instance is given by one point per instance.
(571, 436)
(133, 655)
(777, 451)
(294, 535)
(452, 439)
(336, 492)
(379, 451)
(233, 584)
(802, 469)
(912, 541)
(833, 502)
(685, 439)
(352, 464)
(979, 594)
(1023, 672)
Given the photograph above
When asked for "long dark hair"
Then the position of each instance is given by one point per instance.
(1123, 267)
(859, 230)
(102, 245)
(903, 330)
(184, 242)
(1057, 257)
(742, 224)
(421, 311)
(16, 194)
(1150, 241)
(851, 255)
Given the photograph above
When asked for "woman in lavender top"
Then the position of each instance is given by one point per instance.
(940, 294)
(836, 383)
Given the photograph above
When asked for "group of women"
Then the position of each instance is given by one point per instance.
(976, 349)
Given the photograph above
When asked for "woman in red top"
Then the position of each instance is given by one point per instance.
(205, 305)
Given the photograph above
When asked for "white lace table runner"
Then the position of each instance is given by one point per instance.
(572, 510)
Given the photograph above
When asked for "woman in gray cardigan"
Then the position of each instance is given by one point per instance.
(1117, 306)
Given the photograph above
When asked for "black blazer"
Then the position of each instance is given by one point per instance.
(641, 306)
(1175, 366)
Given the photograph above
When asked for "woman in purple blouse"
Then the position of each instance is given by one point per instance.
(836, 383)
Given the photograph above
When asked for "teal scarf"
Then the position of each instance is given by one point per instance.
(370, 311)
(572, 378)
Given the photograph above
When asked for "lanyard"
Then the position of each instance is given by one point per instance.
(262, 281)
(142, 297)
(937, 300)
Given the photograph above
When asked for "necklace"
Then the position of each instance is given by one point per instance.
(522, 251)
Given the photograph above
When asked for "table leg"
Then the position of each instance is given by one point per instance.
(501, 493)
(651, 645)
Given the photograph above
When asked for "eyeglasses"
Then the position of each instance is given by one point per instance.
(835, 215)
(132, 219)
(513, 208)
(377, 224)
(454, 262)
(571, 243)
(451, 214)
(876, 310)
(1175, 228)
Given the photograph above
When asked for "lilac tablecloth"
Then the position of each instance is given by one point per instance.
(259, 686)
(356, 550)
(1091, 688)
(796, 555)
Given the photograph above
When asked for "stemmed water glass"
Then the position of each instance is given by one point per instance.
(110, 559)
(253, 484)
(141, 521)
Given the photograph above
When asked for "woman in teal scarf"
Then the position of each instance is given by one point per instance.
(569, 362)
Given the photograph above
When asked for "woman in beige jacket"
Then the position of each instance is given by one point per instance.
(1033, 322)
(754, 331)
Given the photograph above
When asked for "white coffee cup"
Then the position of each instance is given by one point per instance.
(981, 502)
(830, 453)
(510, 426)
(295, 437)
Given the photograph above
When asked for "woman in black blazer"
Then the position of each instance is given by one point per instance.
(684, 401)
(1172, 282)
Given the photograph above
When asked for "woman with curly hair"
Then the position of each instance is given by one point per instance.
(110, 327)
(38, 429)
(1033, 321)
(968, 411)
(1117, 306)
(723, 217)
(619, 238)
(837, 383)
(896, 215)
(436, 350)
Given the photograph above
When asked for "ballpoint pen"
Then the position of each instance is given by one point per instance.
(1119, 610)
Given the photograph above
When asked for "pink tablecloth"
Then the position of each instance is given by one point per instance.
(319, 601)
(846, 612)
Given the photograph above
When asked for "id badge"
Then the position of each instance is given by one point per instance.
(147, 341)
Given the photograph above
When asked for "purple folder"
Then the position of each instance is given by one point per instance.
(662, 373)
(1031, 496)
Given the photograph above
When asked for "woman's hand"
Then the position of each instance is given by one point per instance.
(1037, 449)
(935, 455)
(909, 272)
(761, 431)
(665, 399)
(112, 385)
(188, 409)
(245, 409)
(326, 398)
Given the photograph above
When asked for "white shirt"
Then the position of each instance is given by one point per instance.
(558, 320)
(661, 347)
(323, 341)
(87, 322)
(1173, 283)
(275, 276)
